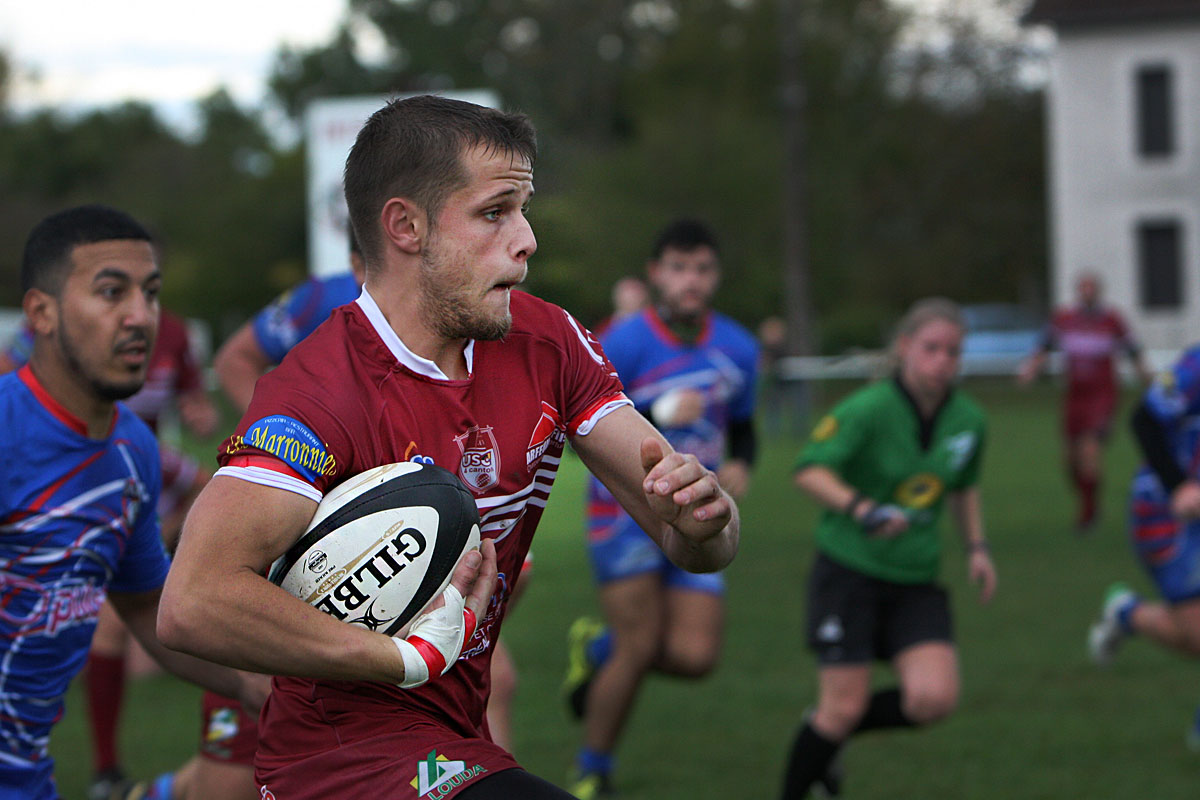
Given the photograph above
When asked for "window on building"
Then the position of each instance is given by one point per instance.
(1160, 263)
(1156, 134)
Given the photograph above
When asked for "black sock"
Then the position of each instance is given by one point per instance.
(884, 711)
(811, 754)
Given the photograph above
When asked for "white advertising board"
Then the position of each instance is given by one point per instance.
(330, 126)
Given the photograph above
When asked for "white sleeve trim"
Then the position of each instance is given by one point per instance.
(269, 477)
(586, 426)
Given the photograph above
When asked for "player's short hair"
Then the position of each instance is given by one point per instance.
(352, 240)
(685, 235)
(46, 261)
(412, 148)
(927, 310)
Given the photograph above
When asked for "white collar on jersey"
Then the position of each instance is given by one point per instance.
(418, 364)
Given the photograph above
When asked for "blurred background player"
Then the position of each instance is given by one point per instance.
(1164, 521)
(83, 478)
(629, 296)
(691, 371)
(1090, 336)
(173, 379)
(262, 342)
(882, 464)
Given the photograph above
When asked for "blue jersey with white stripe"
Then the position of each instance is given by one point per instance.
(77, 517)
(651, 361)
(296, 313)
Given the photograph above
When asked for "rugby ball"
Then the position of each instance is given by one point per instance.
(382, 545)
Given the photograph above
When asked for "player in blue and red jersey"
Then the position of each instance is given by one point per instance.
(264, 340)
(438, 360)
(1090, 337)
(77, 511)
(691, 371)
(1164, 520)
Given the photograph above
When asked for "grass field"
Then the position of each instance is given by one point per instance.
(1037, 720)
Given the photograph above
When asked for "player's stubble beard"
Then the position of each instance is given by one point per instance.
(448, 308)
(106, 390)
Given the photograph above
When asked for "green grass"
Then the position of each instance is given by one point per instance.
(1036, 720)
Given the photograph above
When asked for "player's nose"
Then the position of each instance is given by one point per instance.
(524, 241)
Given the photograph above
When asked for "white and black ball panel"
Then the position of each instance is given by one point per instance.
(382, 545)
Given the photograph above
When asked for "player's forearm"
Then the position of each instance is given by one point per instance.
(245, 622)
(826, 487)
(967, 510)
(237, 377)
(704, 555)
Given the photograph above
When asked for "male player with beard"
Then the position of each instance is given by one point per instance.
(690, 371)
(77, 508)
(438, 360)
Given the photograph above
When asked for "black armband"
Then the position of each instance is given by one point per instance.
(742, 441)
(1152, 441)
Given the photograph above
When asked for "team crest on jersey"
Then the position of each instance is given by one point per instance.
(547, 431)
(826, 429)
(480, 464)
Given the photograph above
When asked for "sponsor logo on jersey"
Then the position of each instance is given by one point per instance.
(437, 776)
(222, 726)
(547, 431)
(28, 604)
(265, 794)
(291, 442)
(479, 467)
(961, 446)
(826, 429)
(920, 491)
(411, 454)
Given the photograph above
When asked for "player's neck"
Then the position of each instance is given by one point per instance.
(67, 388)
(402, 311)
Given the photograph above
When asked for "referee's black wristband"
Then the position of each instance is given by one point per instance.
(980, 546)
(853, 504)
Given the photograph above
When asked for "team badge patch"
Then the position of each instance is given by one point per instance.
(480, 464)
(826, 429)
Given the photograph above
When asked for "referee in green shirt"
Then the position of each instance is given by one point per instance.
(884, 463)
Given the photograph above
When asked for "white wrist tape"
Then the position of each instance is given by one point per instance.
(435, 640)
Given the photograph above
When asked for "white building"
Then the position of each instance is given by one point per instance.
(1123, 127)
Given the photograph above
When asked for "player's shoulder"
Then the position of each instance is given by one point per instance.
(967, 406)
(535, 318)
(868, 399)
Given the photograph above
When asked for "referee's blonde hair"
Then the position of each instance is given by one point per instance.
(927, 310)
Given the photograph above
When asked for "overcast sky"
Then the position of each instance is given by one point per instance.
(73, 54)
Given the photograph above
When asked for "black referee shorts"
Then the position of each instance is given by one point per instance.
(856, 619)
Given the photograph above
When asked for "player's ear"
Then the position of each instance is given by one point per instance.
(405, 224)
(41, 309)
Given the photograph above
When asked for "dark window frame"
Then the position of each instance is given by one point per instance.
(1160, 263)
(1155, 106)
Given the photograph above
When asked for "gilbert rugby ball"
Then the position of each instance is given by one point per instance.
(382, 545)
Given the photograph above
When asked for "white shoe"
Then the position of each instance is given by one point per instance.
(1106, 634)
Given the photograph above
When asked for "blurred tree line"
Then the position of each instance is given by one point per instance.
(923, 160)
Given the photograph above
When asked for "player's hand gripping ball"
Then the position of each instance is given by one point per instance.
(382, 545)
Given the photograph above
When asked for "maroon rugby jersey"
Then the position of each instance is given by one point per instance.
(351, 397)
(172, 371)
(1090, 340)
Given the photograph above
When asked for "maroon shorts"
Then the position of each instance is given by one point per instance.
(1089, 413)
(227, 733)
(318, 745)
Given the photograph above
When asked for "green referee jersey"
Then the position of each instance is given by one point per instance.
(876, 442)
